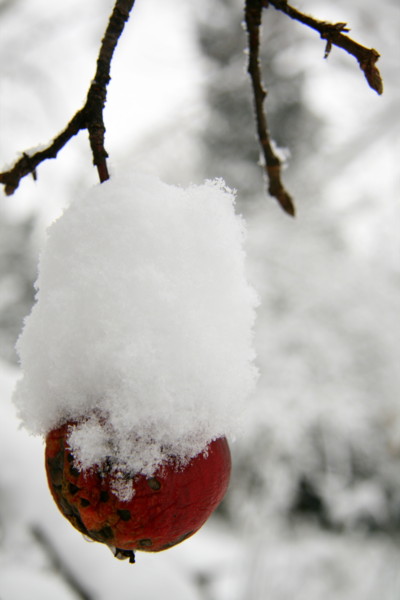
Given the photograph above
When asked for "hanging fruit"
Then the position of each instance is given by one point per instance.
(164, 510)
(137, 358)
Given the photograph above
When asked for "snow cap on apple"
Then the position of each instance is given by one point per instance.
(142, 330)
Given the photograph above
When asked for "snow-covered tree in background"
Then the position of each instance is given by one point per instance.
(321, 465)
(315, 469)
(18, 268)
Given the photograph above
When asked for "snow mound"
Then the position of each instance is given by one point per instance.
(142, 329)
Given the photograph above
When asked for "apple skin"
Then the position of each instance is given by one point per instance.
(165, 509)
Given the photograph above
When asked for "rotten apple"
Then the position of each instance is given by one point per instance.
(165, 509)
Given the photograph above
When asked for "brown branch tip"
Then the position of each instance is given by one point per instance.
(334, 34)
(90, 117)
(253, 16)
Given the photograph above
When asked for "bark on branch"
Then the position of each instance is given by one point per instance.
(89, 117)
(333, 33)
(253, 17)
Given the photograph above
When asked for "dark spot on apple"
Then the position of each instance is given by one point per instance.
(106, 533)
(154, 483)
(73, 489)
(74, 471)
(125, 515)
(55, 467)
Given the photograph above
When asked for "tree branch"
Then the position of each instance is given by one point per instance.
(58, 565)
(333, 33)
(89, 117)
(253, 16)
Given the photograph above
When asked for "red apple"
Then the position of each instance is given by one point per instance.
(165, 509)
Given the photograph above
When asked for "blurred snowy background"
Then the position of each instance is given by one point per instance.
(313, 509)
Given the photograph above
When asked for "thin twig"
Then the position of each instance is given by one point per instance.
(89, 117)
(253, 15)
(333, 33)
(58, 564)
(97, 94)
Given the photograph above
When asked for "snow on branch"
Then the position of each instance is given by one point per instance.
(89, 117)
(333, 33)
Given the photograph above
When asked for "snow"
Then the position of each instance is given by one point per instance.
(327, 337)
(230, 563)
(27, 568)
(142, 331)
(37, 584)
